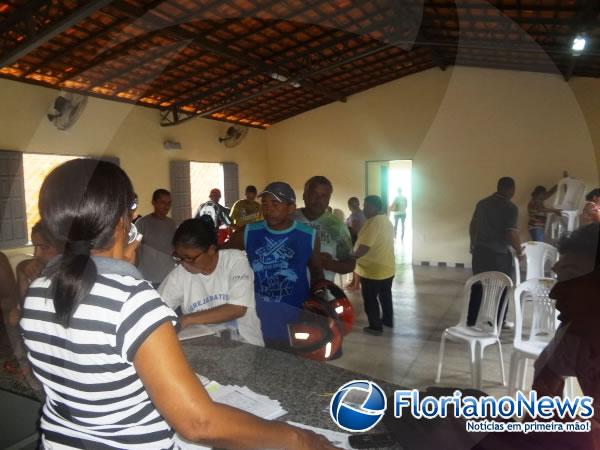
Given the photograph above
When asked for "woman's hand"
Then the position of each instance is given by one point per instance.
(32, 269)
(130, 251)
(312, 441)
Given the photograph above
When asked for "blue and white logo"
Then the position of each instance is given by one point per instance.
(358, 406)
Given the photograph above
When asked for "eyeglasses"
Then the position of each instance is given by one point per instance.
(179, 260)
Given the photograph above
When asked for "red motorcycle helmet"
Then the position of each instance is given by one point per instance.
(223, 234)
(318, 335)
(329, 292)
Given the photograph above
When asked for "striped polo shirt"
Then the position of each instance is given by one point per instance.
(94, 397)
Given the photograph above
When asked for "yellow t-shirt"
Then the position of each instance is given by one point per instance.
(379, 263)
(245, 211)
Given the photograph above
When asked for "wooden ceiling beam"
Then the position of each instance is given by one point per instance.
(295, 58)
(122, 21)
(224, 51)
(34, 40)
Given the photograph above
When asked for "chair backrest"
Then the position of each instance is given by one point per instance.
(539, 256)
(494, 285)
(533, 296)
(569, 193)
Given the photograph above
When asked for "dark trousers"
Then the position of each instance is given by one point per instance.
(402, 219)
(486, 260)
(378, 294)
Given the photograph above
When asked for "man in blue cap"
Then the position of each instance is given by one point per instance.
(279, 250)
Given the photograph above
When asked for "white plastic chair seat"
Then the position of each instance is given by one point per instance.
(463, 333)
(485, 331)
(530, 350)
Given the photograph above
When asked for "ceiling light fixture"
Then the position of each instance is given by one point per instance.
(578, 45)
(278, 77)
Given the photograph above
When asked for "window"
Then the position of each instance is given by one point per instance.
(36, 167)
(21, 177)
(192, 181)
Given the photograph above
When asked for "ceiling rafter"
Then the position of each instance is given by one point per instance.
(35, 38)
(110, 29)
(229, 53)
(257, 62)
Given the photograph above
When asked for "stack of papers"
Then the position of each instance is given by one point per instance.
(194, 331)
(243, 398)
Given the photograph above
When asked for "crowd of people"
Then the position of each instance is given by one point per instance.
(91, 282)
(93, 293)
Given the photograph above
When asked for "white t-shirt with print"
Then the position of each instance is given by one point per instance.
(232, 282)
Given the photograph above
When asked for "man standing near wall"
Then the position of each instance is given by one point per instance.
(493, 231)
(155, 256)
(336, 244)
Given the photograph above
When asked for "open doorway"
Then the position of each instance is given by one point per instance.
(385, 179)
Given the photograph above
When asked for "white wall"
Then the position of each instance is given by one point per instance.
(464, 128)
(132, 133)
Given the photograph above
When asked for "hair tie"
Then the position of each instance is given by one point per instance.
(77, 248)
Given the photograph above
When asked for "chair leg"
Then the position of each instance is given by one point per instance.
(569, 389)
(513, 372)
(501, 362)
(441, 358)
(479, 364)
(475, 376)
(523, 375)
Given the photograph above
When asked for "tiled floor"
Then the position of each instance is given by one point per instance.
(426, 301)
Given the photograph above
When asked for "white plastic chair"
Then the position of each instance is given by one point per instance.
(569, 194)
(486, 331)
(532, 296)
(538, 256)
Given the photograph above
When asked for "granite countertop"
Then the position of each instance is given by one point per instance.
(304, 387)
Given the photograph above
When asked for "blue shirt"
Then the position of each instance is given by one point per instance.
(279, 259)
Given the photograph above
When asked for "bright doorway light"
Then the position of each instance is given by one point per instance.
(400, 177)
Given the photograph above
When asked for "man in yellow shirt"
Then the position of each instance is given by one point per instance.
(376, 265)
(247, 210)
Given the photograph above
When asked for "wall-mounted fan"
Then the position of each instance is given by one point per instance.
(67, 108)
(233, 136)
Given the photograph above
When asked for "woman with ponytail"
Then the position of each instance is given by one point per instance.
(95, 330)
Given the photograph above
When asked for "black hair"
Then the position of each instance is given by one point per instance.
(353, 200)
(505, 183)
(318, 179)
(251, 188)
(538, 190)
(374, 201)
(196, 233)
(157, 193)
(593, 193)
(81, 203)
(41, 229)
(584, 241)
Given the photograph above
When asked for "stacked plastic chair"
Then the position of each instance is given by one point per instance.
(569, 197)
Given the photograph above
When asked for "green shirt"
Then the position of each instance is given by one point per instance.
(333, 234)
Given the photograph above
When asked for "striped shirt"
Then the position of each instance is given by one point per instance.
(94, 397)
